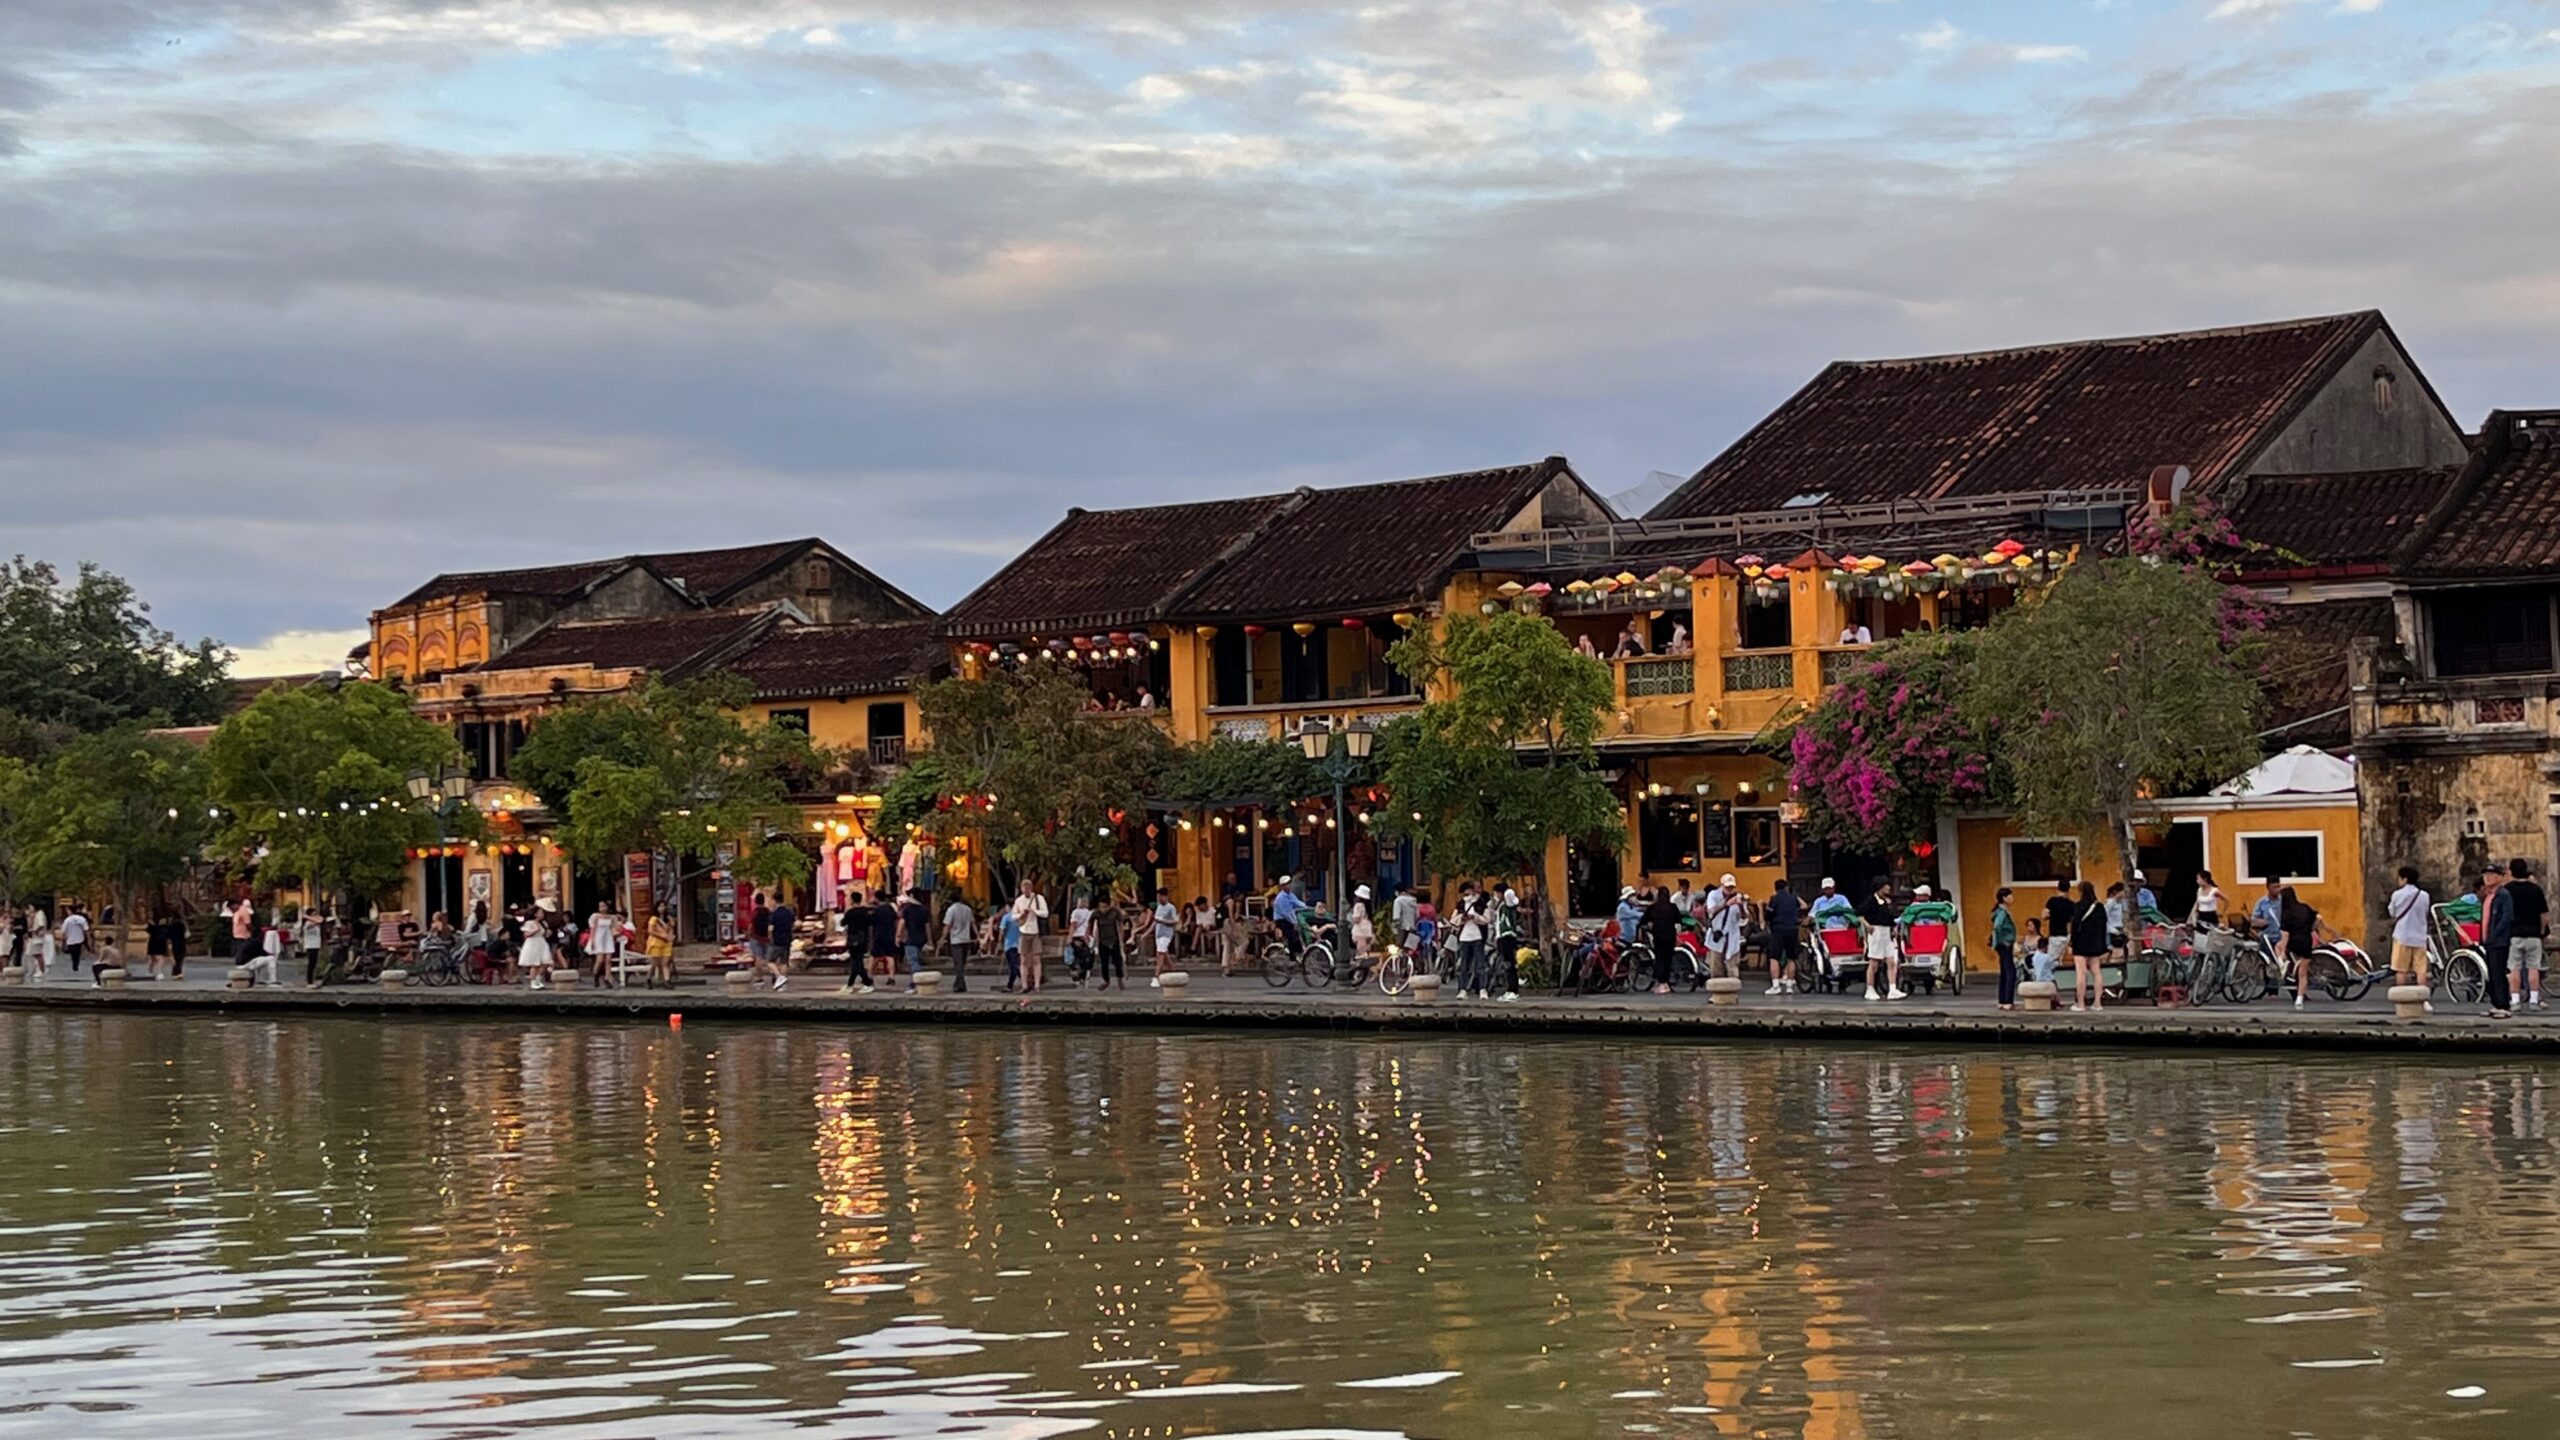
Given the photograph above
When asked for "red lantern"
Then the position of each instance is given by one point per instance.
(1252, 630)
(1924, 848)
(1354, 622)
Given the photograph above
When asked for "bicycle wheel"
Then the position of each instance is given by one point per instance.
(1955, 970)
(1319, 965)
(2466, 977)
(1395, 973)
(1279, 967)
(1637, 968)
(1687, 973)
(2330, 972)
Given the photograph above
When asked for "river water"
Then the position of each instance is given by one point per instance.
(322, 1227)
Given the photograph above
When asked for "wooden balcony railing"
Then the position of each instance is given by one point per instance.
(1760, 670)
(889, 750)
(1661, 675)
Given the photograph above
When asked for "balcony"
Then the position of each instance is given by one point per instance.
(1660, 675)
(889, 750)
(1751, 670)
(1840, 664)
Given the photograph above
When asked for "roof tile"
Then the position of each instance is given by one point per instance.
(2504, 517)
(816, 661)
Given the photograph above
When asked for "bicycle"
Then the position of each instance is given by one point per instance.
(436, 965)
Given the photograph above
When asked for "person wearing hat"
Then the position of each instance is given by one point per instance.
(1726, 911)
(1882, 953)
(1630, 914)
(1364, 931)
(1506, 942)
(1833, 910)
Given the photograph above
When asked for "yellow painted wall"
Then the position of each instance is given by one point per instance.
(843, 723)
(442, 634)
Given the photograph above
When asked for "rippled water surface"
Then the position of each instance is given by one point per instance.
(215, 1228)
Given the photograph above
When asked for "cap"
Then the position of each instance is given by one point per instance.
(2493, 868)
(1727, 880)
(1921, 892)
(1830, 884)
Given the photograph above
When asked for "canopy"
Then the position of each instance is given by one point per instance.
(2302, 770)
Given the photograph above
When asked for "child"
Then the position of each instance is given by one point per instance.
(2039, 954)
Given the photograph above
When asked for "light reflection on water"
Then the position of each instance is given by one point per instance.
(320, 1227)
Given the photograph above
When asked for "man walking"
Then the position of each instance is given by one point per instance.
(2408, 908)
(1030, 909)
(1405, 915)
(780, 924)
(75, 934)
(2497, 937)
(959, 936)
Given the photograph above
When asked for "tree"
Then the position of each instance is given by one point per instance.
(1224, 771)
(311, 780)
(121, 811)
(670, 769)
(1041, 780)
(2118, 684)
(1504, 759)
(14, 776)
(84, 656)
(1891, 745)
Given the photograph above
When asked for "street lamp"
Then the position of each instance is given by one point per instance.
(1339, 763)
(443, 791)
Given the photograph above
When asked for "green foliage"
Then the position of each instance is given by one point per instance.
(1891, 745)
(2117, 684)
(84, 656)
(910, 795)
(316, 777)
(1224, 771)
(1513, 690)
(1061, 776)
(668, 768)
(14, 775)
(118, 811)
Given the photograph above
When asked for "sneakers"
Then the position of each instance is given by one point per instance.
(2297, 1002)
(2077, 1007)
(1871, 993)
(1510, 995)
(1777, 987)
(781, 980)
(2428, 1007)
(1897, 993)
(1155, 984)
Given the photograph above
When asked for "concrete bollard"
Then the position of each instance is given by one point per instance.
(928, 982)
(394, 979)
(564, 979)
(1724, 990)
(2037, 994)
(112, 977)
(2408, 1002)
(1177, 983)
(1426, 986)
(238, 979)
(13, 975)
(738, 979)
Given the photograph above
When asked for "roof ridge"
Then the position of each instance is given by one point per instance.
(2101, 342)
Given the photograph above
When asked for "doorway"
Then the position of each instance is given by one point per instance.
(2172, 863)
(515, 880)
(1591, 881)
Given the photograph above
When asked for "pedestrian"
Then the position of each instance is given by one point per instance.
(2116, 920)
(1165, 921)
(1110, 944)
(2058, 913)
(1364, 930)
(533, 955)
(2532, 931)
(243, 931)
(782, 925)
(155, 945)
(1783, 920)
(1883, 953)
(2209, 903)
(2409, 907)
(1030, 909)
(75, 934)
(758, 928)
(1404, 916)
(884, 941)
(1727, 916)
(1009, 939)
(1661, 927)
(177, 946)
(604, 942)
(39, 942)
(662, 948)
(2004, 944)
(1504, 956)
(2497, 938)
(959, 937)
(2088, 931)
(315, 944)
(1080, 938)
(915, 931)
(1475, 920)
(1235, 936)
(2300, 927)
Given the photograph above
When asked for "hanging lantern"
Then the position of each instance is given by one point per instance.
(1509, 588)
(1252, 631)
(1304, 628)
(1205, 632)
(1542, 589)
(2008, 549)
(1354, 622)
(1625, 578)
(1403, 619)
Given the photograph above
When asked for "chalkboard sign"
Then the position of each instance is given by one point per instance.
(1718, 821)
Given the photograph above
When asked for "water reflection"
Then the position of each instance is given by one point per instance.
(326, 1228)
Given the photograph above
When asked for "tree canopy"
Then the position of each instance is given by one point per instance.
(122, 810)
(1045, 783)
(83, 656)
(1511, 690)
(1891, 745)
(311, 782)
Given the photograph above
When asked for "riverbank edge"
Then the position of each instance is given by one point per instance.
(2137, 1027)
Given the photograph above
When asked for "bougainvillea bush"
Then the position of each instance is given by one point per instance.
(1890, 745)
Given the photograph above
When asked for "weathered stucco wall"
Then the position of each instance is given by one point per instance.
(2343, 428)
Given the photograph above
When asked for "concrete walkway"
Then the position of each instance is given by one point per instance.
(1249, 1002)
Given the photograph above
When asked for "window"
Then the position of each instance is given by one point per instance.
(1756, 838)
(2293, 857)
(2383, 382)
(1767, 625)
(886, 721)
(1668, 833)
(790, 720)
(2491, 632)
(2038, 862)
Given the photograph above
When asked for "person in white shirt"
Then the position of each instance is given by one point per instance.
(604, 942)
(1029, 909)
(75, 936)
(959, 936)
(2409, 908)
(1080, 938)
(1726, 912)
(1856, 635)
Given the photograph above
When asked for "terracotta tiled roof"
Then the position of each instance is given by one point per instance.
(815, 661)
(2307, 685)
(1100, 568)
(2324, 521)
(666, 645)
(705, 575)
(2502, 517)
(1340, 552)
(2098, 413)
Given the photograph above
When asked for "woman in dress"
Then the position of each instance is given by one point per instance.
(662, 948)
(534, 959)
(2089, 949)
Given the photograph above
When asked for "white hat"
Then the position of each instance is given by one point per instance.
(1920, 892)
(546, 904)
(1727, 880)
(1830, 884)
(1360, 892)
(1284, 880)
(1627, 892)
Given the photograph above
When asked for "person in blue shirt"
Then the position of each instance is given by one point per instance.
(1012, 950)
(2267, 916)
(1285, 909)
(1630, 914)
(1833, 910)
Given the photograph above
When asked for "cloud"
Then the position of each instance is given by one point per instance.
(1941, 36)
(296, 652)
(2046, 54)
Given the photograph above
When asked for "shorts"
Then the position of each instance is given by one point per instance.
(2408, 959)
(2525, 953)
(1880, 944)
(756, 950)
(1784, 949)
(1164, 945)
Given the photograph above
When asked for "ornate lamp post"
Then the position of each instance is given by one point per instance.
(1339, 763)
(444, 791)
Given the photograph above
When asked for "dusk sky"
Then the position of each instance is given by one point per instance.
(304, 300)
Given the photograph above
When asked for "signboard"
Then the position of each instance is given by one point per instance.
(1718, 824)
(635, 884)
(725, 893)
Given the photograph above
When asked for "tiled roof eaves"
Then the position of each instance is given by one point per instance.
(2488, 549)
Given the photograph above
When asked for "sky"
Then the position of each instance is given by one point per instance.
(302, 301)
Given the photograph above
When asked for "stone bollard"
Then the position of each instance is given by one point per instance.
(238, 979)
(394, 979)
(1724, 990)
(2408, 1002)
(738, 979)
(1177, 983)
(2037, 994)
(14, 975)
(1426, 986)
(112, 977)
(928, 982)
(564, 979)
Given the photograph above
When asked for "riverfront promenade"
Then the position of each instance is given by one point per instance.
(1247, 1002)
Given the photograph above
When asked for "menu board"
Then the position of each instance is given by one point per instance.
(725, 917)
(1717, 822)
